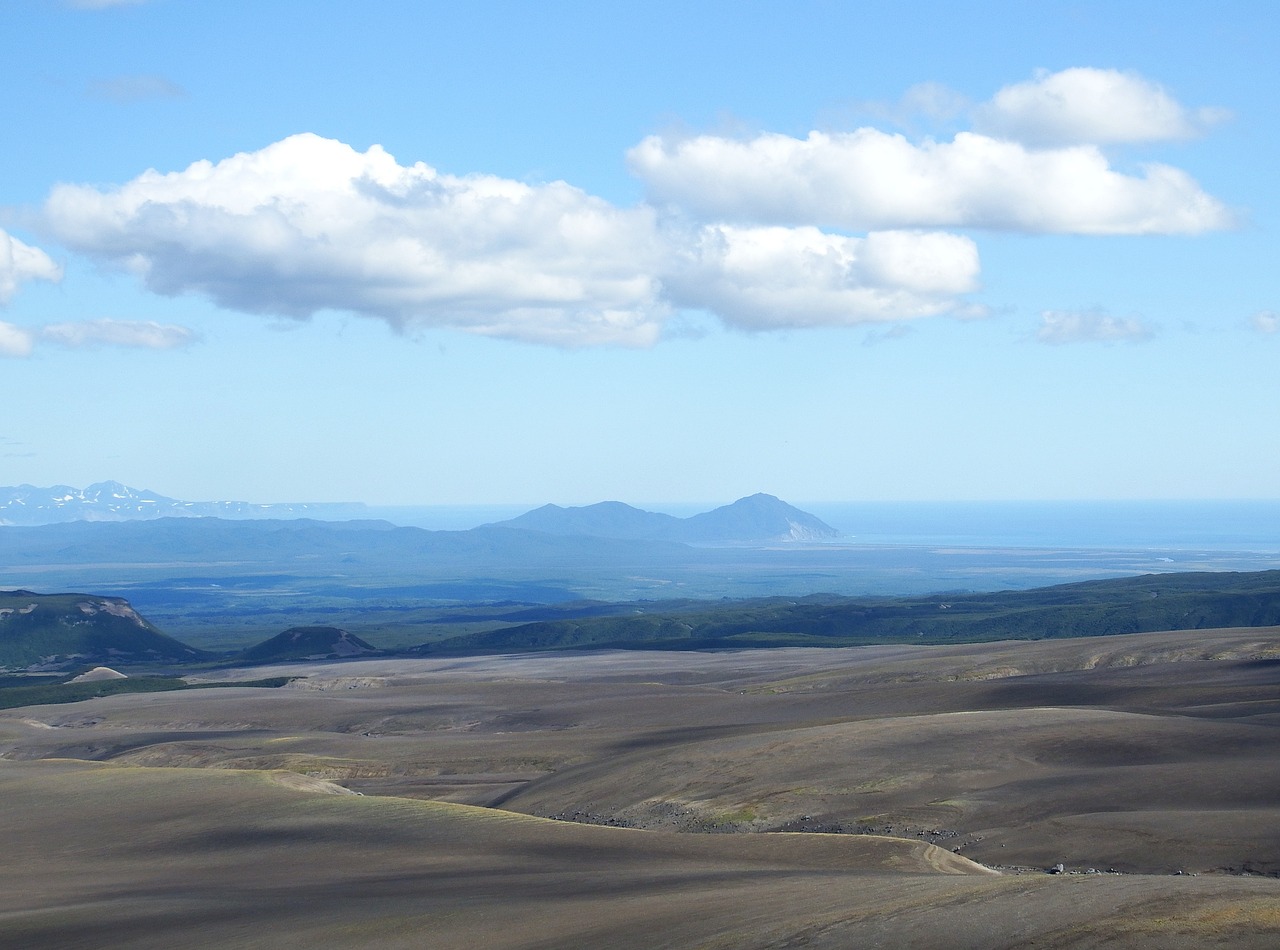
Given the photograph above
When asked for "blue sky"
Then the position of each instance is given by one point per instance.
(417, 253)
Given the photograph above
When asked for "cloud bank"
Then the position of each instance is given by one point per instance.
(309, 224)
(755, 231)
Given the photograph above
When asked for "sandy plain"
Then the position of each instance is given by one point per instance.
(885, 796)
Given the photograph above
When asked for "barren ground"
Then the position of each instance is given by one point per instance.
(220, 817)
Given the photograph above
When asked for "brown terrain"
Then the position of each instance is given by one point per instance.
(881, 796)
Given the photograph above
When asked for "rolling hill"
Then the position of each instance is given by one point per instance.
(1190, 601)
(50, 632)
(308, 643)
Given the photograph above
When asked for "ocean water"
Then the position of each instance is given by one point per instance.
(1247, 526)
(1128, 525)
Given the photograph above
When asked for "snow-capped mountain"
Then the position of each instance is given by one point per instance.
(112, 501)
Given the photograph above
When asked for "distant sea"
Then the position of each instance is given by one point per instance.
(1141, 525)
(1245, 526)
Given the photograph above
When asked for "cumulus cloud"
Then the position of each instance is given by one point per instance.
(135, 88)
(869, 180)
(1090, 106)
(142, 334)
(1266, 322)
(14, 340)
(308, 224)
(766, 231)
(1091, 326)
(19, 263)
(771, 277)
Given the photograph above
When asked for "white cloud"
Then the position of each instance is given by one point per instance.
(1090, 106)
(1090, 326)
(1266, 321)
(873, 180)
(135, 88)
(771, 277)
(735, 227)
(14, 340)
(143, 334)
(19, 263)
(309, 223)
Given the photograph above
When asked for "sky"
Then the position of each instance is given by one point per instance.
(416, 253)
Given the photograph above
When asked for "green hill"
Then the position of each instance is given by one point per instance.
(52, 632)
(308, 643)
(1091, 608)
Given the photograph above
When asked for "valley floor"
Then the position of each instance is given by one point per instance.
(540, 800)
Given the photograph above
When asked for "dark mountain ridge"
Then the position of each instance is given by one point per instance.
(345, 545)
(59, 632)
(1148, 603)
(756, 518)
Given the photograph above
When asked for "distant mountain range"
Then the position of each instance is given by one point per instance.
(112, 501)
(756, 518)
